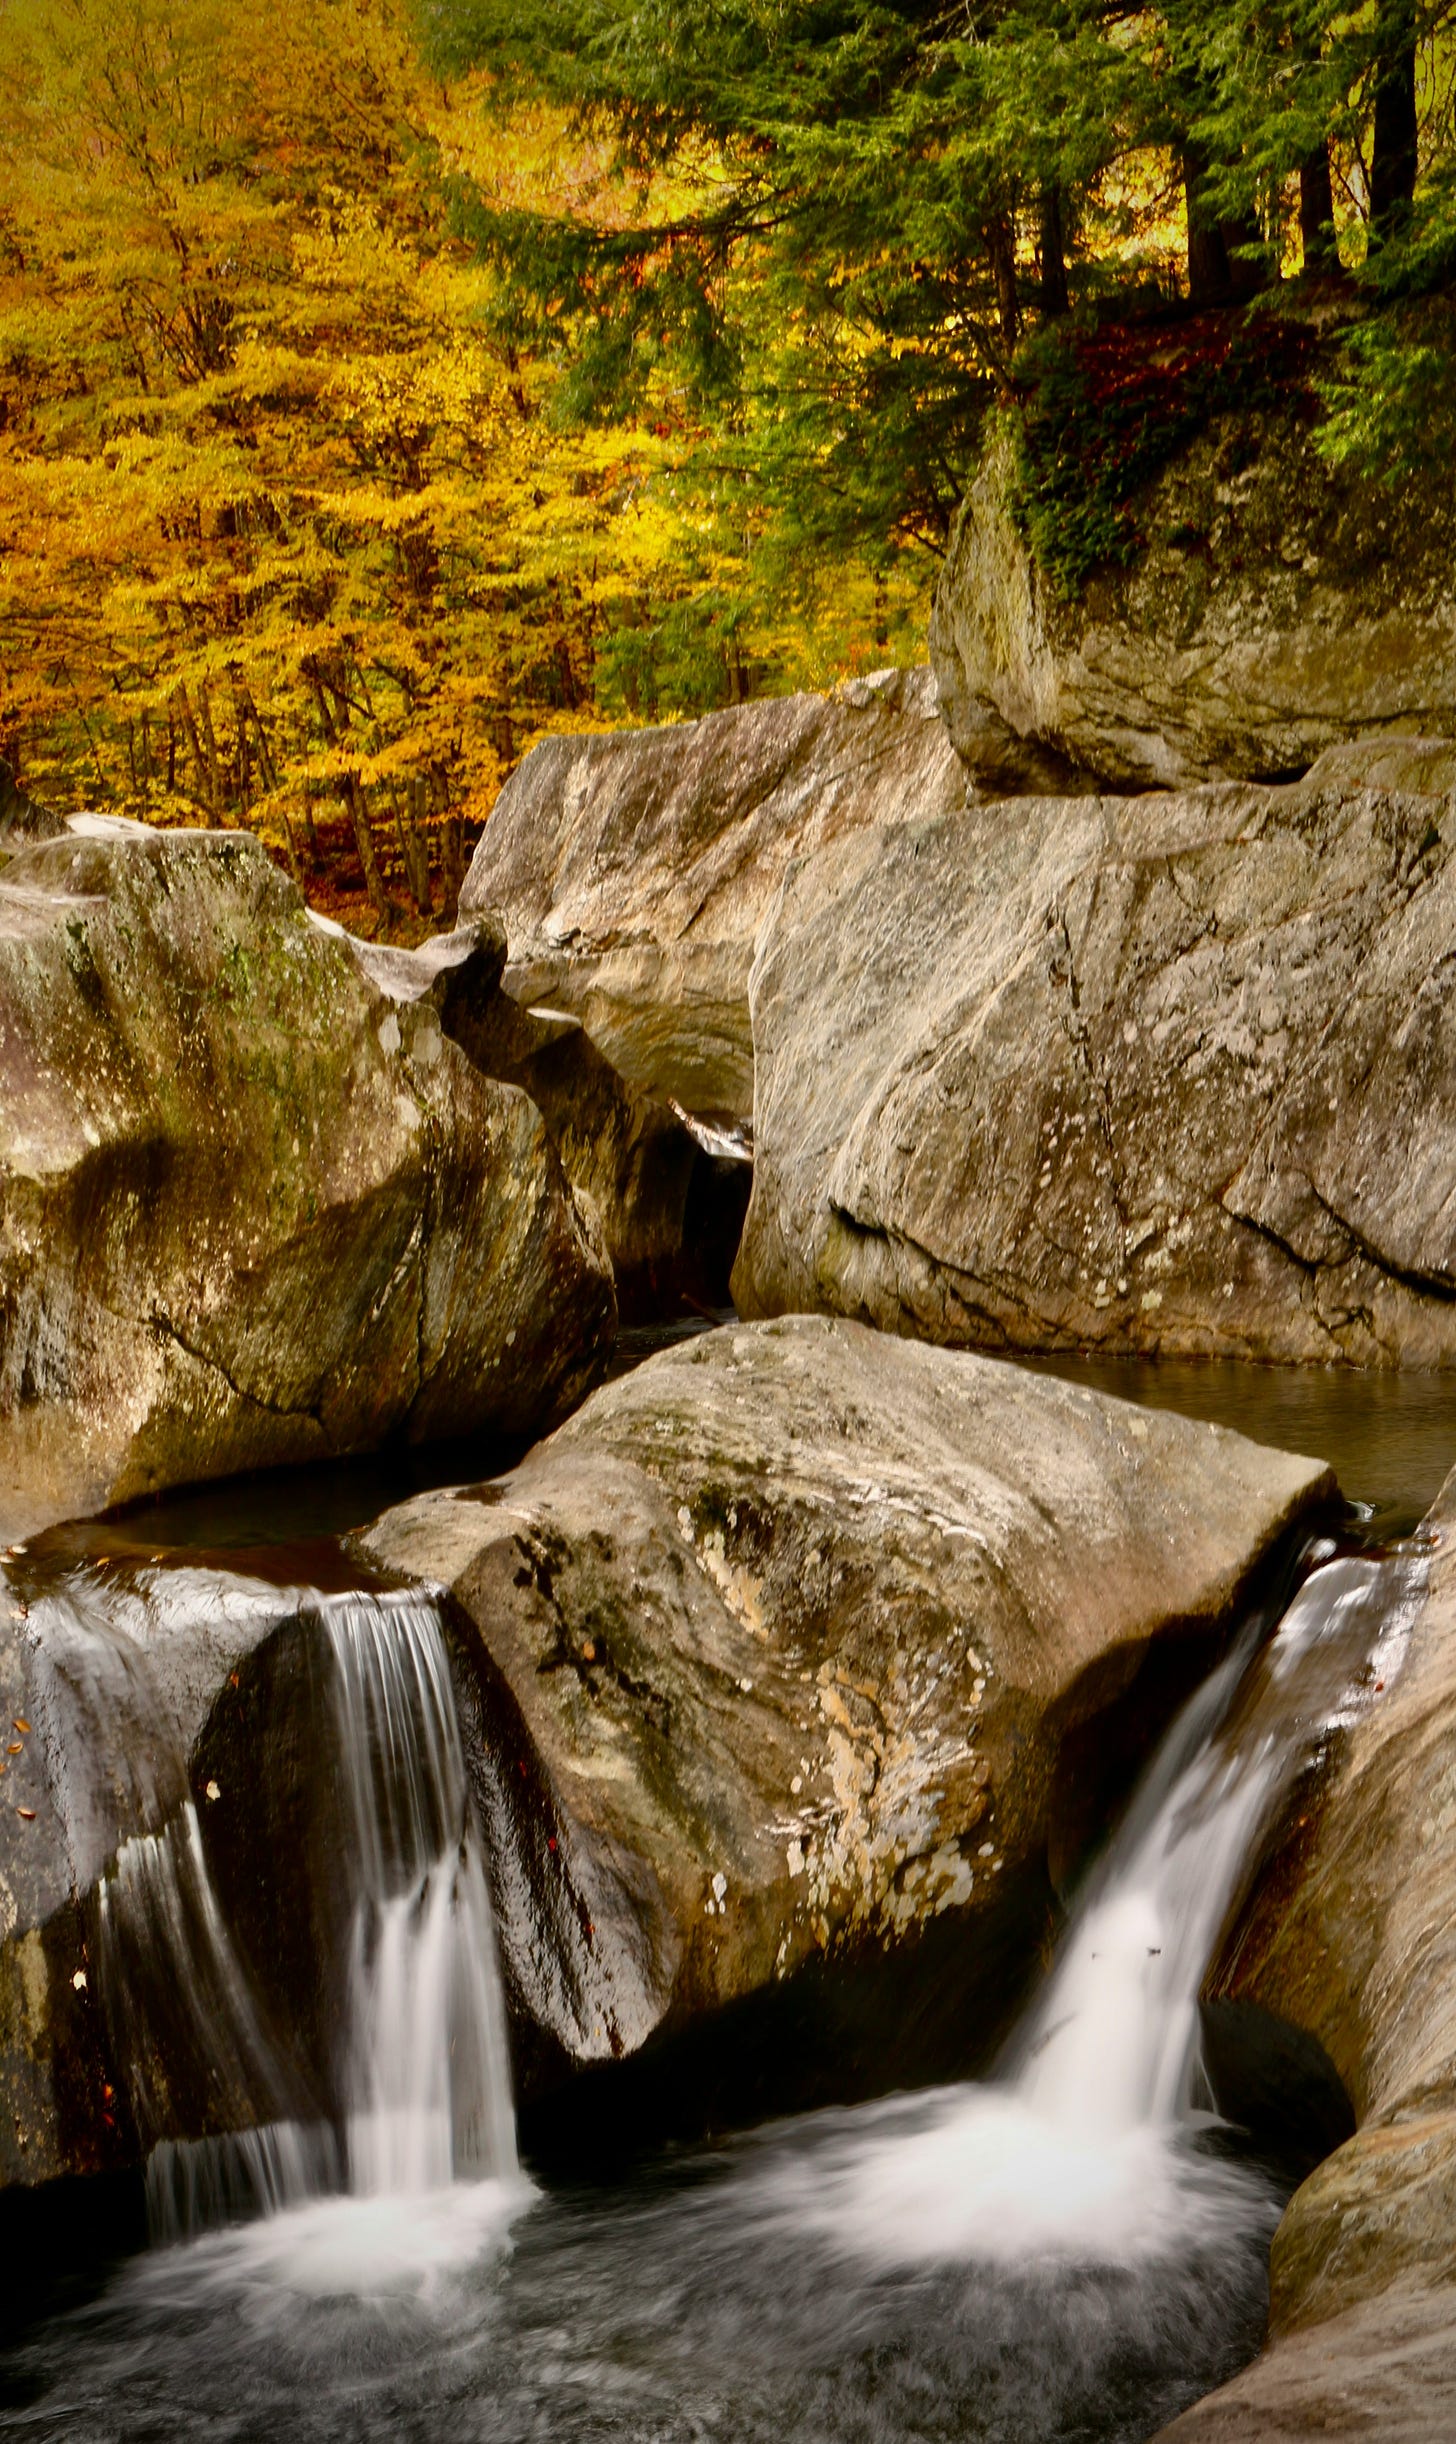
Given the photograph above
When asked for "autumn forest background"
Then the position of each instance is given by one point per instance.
(384, 386)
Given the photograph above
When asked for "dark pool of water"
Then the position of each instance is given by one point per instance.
(1390, 1437)
(659, 2316)
(645, 2314)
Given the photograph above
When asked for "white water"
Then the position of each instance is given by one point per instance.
(1117, 2269)
(428, 2072)
(1085, 2150)
(428, 2167)
(161, 1937)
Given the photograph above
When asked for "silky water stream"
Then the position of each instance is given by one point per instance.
(1072, 2249)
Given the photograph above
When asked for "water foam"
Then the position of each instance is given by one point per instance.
(426, 2157)
(1087, 2150)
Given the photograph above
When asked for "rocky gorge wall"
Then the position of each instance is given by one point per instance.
(251, 1213)
(1276, 606)
(1030, 1065)
(1171, 1073)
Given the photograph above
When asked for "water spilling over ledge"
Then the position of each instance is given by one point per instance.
(420, 2071)
(1072, 2242)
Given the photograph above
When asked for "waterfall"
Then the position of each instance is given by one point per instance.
(183, 2020)
(423, 2078)
(427, 2079)
(1085, 2147)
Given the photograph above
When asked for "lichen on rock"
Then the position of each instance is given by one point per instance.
(802, 1638)
(249, 1212)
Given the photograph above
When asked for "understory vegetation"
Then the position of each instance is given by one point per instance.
(382, 387)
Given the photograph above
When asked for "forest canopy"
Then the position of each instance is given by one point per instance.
(287, 536)
(382, 387)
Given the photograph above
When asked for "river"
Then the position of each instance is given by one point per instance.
(1070, 2248)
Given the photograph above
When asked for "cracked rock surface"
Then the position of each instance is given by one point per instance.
(633, 870)
(629, 1153)
(1170, 1074)
(1277, 607)
(801, 1639)
(250, 1211)
(1350, 1937)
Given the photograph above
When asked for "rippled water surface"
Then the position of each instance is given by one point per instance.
(690, 2309)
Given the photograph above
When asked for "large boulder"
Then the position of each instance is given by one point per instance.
(801, 1645)
(671, 1208)
(250, 1211)
(110, 1676)
(1173, 1073)
(1276, 607)
(633, 870)
(1350, 1938)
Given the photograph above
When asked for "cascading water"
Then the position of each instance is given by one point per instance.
(1086, 2149)
(184, 2020)
(428, 2074)
(424, 2078)
(1053, 2255)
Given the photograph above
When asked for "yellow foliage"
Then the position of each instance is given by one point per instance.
(286, 537)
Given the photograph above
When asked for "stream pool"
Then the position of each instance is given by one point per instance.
(1066, 2253)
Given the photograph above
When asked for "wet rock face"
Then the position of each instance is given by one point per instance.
(801, 1641)
(109, 1685)
(250, 1212)
(1279, 607)
(633, 871)
(1168, 1074)
(1350, 1936)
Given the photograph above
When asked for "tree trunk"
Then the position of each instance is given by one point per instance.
(1001, 248)
(352, 795)
(1317, 212)
(217, 793)
(358, 804)
(452, 836)
(206, 778)
(1246, 248)
(290, 838)
(414, 846)
(1055, 298)
(1210, 280)
(1393, 156)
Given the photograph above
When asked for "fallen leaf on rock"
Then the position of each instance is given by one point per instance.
(27, 1813)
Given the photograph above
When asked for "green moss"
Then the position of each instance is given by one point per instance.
(1099, 408)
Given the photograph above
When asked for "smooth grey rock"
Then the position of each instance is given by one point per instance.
(1173, 1073)
(113, 1691)
(632, 1155)
(801, 1639)
(634, 869)
(250, 1212)
(1350, 1937)
(1278, 607)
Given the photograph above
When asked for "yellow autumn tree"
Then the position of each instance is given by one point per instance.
(286, 536)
